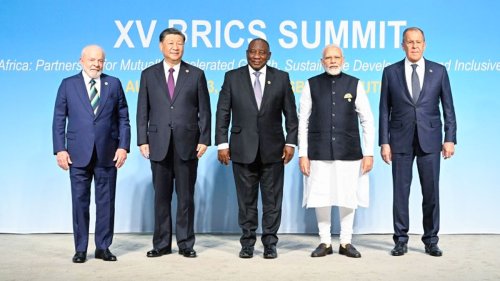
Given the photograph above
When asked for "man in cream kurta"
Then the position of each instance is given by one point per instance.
(332, 159)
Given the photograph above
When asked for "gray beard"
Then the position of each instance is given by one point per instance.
(333, 71)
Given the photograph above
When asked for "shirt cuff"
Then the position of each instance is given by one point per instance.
(223, 146)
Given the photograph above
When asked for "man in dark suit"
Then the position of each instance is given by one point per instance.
(410, 127)
(256, 96)
(91, 138)
(173, 132)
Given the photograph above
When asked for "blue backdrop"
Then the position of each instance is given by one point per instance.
(40, 44)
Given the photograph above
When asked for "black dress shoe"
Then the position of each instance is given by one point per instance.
(105, 255)
(270, 252)
(188, 253)
(322, 250)
(80, 257)
(246, 252)
(349, 251)
(433, 250)
(400, 249)
(159, 252)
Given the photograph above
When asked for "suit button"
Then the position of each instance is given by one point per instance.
(171, 107)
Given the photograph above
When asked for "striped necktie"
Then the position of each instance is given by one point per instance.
(94, 96)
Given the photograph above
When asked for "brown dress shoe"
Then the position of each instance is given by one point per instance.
(349, 251)
(322, 250)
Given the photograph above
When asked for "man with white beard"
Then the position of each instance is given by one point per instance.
(334, 163)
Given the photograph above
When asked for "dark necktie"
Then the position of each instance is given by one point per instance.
(94, 96)
(257, 89)
(170, 82)
(415, 83)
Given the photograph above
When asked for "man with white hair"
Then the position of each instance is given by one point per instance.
(91, 138)
(334, 163)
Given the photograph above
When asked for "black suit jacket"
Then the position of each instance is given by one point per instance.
(187, 116)
(252, 129)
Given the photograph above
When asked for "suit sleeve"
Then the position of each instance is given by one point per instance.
(143, 108)
(290, 113)
(123, 119)
(384, 110)
(205, 115)
(450, 122)
(223, 114)
(59, 120)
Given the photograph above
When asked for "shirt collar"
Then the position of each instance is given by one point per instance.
(176, 67)
(87, 78)
(420, 62)
(262, 70)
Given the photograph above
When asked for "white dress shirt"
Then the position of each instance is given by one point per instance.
(420, 72)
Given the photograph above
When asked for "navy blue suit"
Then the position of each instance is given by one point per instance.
(91, 141)
(415, 130)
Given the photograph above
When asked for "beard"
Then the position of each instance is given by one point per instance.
(333, 70)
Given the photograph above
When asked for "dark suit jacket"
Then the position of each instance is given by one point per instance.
(399, 114)
(187, 116)
(107, 130)
(254, 129)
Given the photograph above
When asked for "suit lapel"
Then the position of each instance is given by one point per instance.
(247, 86)
(267, 86)
(182, 77)
(84, 95)
(428, 77)
(104, 94)
(402, 80)
(162, 80)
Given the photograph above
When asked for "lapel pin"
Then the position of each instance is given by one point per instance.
(187, 70)
(430, 70)
(268, 82)
(348, 97)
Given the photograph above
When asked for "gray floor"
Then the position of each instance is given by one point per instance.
(48, 257)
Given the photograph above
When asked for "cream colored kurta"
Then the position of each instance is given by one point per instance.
(337, 183)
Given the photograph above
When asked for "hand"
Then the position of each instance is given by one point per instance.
(305, 165)
(224, 156)
(448, 150)
(385, 151)
(63, 160)
(120, 157)
(144, 150)
(287, 153)
(366, 164)
(201, 148)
